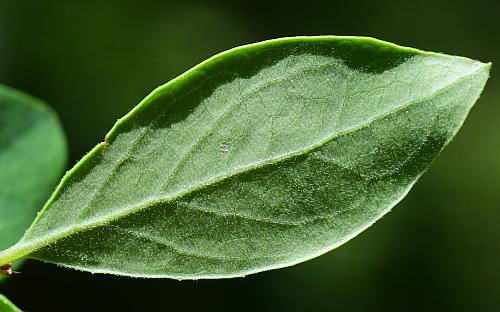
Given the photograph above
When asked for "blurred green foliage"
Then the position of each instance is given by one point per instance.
(95, 60)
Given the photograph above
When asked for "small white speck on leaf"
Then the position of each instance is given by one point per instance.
(224, 148)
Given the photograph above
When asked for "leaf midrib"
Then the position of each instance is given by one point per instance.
(24, 248)
(192, 148)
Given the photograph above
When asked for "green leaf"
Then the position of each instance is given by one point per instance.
(261, 157)
(32, 158)
(6, 305)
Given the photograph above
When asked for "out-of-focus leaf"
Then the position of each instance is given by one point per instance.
(7, 306)
(32, 158)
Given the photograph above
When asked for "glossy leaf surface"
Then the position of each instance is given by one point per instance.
(32, 159)
(259, 158)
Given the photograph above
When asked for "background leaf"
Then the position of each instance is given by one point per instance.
(261, 157)
(6, 305)
(32, 158)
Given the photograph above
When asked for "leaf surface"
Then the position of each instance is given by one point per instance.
(260, 157)
(6, 305)
(32, 159)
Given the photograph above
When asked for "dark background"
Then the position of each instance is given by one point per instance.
(438, 250)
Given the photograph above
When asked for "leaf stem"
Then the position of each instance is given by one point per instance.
(14, 253)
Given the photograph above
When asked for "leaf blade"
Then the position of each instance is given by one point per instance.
(328, 84)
